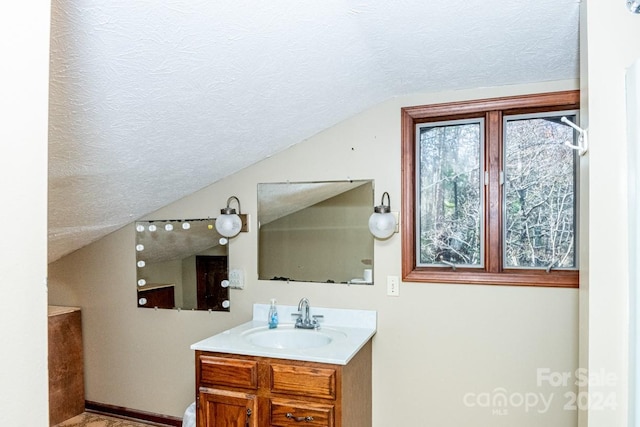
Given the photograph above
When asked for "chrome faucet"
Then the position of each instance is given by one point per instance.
(304, 320)
(304, 315)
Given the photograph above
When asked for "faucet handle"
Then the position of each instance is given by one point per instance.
(316, 320)
(298, 317)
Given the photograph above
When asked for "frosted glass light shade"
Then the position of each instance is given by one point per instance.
(382, 225)
(228, 225)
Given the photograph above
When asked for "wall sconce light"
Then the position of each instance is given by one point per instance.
(230, 223)
(633, 6)
(382, 222)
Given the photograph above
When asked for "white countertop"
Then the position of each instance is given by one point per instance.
(353, 329)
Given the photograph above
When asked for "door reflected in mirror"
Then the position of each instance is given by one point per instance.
(315, 231)
(181, 264)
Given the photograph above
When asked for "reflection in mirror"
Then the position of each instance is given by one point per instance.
(315, 231)
(181, 264)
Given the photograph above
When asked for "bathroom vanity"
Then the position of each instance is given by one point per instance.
(259, 377)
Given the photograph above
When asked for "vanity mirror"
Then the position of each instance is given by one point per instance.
(315, 231)
(181, 264)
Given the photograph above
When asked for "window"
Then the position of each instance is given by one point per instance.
(490, 191)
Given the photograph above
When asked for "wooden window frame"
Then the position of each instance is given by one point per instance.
(493, 110)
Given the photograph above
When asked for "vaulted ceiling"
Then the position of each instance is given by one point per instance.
(153, 100)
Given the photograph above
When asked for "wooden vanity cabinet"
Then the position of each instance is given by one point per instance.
(249, 391)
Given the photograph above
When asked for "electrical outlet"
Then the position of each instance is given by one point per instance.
(393, 286)
(236, 278)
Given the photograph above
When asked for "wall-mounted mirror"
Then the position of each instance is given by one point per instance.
(181, 264)
(315, 231)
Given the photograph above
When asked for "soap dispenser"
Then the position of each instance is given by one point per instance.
(273, 315)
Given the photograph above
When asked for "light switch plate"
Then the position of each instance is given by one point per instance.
(393, 286)
(236, 278)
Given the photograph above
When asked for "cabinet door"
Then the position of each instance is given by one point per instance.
(221, 408)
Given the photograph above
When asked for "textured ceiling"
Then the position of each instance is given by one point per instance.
(150, 100)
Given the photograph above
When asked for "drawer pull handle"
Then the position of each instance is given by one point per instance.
(299, 419)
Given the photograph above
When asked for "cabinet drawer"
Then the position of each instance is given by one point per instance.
(305, 380)
(286, 413)
(228, 372)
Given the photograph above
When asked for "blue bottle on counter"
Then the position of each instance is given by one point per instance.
(273, 315)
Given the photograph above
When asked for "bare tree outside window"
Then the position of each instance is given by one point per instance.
(540, 225)
(449, 194)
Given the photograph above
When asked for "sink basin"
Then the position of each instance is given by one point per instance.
(285, 337)
(342, 334)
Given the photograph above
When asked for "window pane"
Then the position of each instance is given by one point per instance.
(540, 219)
(448, 190)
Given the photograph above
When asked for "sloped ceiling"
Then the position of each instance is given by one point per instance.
(153, 100)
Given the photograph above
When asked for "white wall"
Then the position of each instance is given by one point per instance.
(24, 65)
(610, 45)
(439, 351)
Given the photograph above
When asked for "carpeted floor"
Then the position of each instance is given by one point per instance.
(87, 419)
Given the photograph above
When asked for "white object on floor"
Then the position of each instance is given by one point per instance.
(189, 419)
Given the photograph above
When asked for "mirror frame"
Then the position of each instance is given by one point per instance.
(181, 261)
